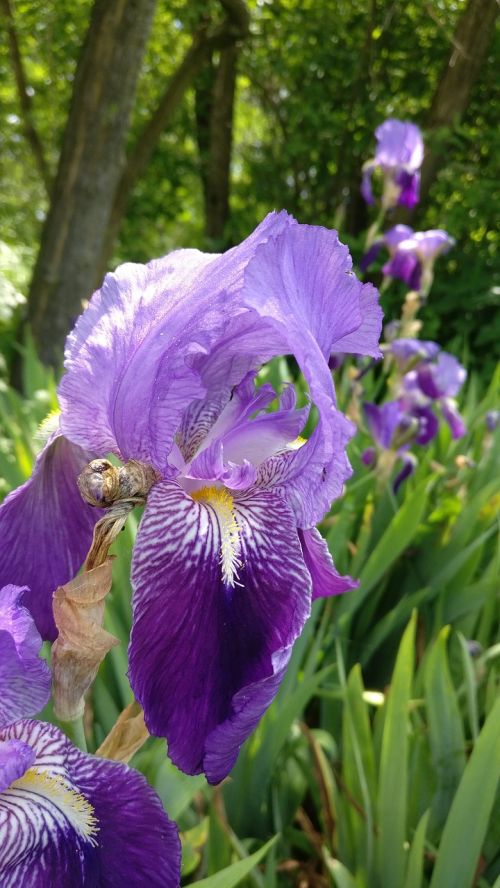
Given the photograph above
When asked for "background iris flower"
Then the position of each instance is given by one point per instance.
(429, 379)
(67, 818)
(411, 254)
(398, 156)
(161, 368)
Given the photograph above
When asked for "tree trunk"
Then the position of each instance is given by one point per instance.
(205, 42)
(221, 140)
(469, 49)
(91, 161)
(203, 107)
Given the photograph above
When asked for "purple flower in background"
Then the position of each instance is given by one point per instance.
(161, 368)
(399, 155)
(438, 379)
(430, 379)
(413, 350)
(492, 420)
(442, 377)
(390, 240)
(413, 259)
(411, 254)
(396, 424)
(67, 818)
(392, 428)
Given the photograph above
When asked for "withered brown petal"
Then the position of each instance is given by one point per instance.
(127, 735)
(82, 643)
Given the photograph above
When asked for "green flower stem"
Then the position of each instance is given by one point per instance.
(374, 229)
(75, 731)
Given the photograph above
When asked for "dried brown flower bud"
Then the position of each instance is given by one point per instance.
(103, 484)
(82, 643)
(99, 483)
(126, 736)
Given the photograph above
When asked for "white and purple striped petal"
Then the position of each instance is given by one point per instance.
(221, 594)
(24, 678)
(46, 529)
(77, 821)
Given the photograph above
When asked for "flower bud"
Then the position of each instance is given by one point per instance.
(99, 483)
(103, 484)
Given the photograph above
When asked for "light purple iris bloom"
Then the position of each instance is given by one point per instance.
(411, 255)
(399, 155)
(413, 259)
(67, 818)
(393, 428)
(413, 351)
(390, 240)
(492, 420)
(161, 368)
(438, 380)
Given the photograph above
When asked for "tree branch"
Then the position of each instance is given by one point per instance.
(205, 41)
(24, 96)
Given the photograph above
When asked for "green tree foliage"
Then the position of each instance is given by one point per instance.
(314, 81)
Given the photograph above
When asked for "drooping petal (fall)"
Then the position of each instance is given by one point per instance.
(24, 678)
(326, 580)
(453, 417)
(221, 593)
(46, 529)
(79, 821)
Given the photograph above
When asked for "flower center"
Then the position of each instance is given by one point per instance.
(56, 790)
(222, 503)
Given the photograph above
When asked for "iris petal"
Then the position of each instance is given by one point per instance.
(25, 679)
(326, 580)
(79, 821)
(46, 529)
(207, 672)
(140, 344)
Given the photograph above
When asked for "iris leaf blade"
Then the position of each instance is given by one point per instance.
(232, 875)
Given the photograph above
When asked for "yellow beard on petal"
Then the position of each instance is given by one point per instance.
(74, 806)
(223, 505)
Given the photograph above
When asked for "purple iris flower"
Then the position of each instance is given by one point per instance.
(413, 260)
(390, 240)
(399, 155)
(161, 368)
(413, 350)
(67, 818)
(438, 380)
(411, 255)
(393, 428)
(492, 420)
